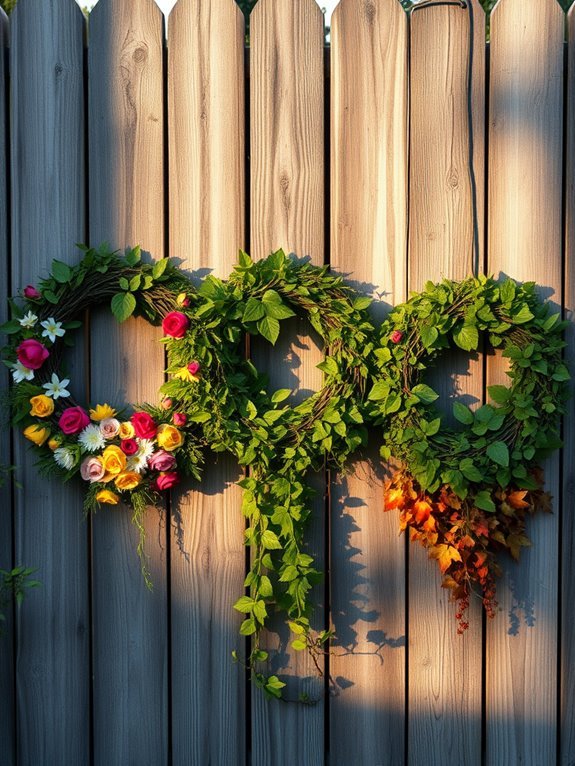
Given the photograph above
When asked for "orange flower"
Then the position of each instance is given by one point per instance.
(394, 498)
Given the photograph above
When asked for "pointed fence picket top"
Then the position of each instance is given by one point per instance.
(525, 242)
(207, 226)
(368, 245)
(7, 743)
(567, 637)
(48, 217)
(287, 211)
(444, 696)
(126, 145)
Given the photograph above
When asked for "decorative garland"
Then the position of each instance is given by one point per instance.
(464, 494)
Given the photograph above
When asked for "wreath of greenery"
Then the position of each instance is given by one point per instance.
(465, 493)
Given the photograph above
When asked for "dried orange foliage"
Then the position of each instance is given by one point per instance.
(464, 539)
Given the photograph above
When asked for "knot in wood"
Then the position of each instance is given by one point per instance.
(140, 55)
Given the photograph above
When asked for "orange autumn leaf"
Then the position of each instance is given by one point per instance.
(517, 499)
(445, 555)
(394, 498)
(422, 511)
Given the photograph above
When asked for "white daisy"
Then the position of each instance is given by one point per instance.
(28, 320)
(65, 458)
(20, 373)
(139, 461)
(56, 388)
(91, 438)
(52, 329)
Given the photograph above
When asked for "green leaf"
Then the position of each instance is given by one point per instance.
(123, 305)
(561, 373)
(483, 500)
(379, 391)
(299, 630)
(499, 394)
(469, 470)
(523, 315)
(507, 291)
(498, 452)
(274, 307)
(253, 311)
(266, 589)
(244, 604)
(429, 335)
(159, 267)
(50, 296)
(61, 272)
(248, 627)
(244, 260)
(362, 302)
(329, 366)
(467, 337)
(281, 394)
(260, 611)
(551, 321)
(123, 283)
(135, 283)
(133, 256)
(424, 393)
(299, 644)
(462, 413)
(270, 540)
(11, 327)
(269, 328)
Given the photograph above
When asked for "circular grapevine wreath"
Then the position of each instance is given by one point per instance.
(214, 398)
(465, 494)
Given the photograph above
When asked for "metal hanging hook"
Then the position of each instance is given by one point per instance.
(430, 3)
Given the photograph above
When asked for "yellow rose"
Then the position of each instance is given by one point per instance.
(168, 437)
(42, 406)
(107, 496)
(127, 480)
(54, 443)
(36, 434)
(102, 412)
(126, 430)
(114, 461)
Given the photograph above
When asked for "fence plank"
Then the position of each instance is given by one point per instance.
(287, 204)
(126, 208)
(7, 730)
(206, 118)
(567, 658)
(525, 182)
(368, 244)
(47, 156)
(444, 668)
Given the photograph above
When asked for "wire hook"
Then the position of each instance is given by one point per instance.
(430, 3)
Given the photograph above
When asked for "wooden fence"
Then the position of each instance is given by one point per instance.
(408, 151)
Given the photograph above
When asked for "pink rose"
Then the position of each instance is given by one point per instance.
(166, 481)
(32, 354)
(180, 418)
(92, 469)
(175, 324)
(109, 427)
(144, 425)
(129, 446)
(73, 420)
(162, 461)
(396, 336)
(166, 403)
(194, 367)
(31, 293)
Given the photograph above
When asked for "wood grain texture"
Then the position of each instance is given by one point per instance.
(7, 730)
(567, 657)
(287, 210)
(48, 217)
(127, 208)
(368, 245)
(525, 242)
(444, 695)
(206, 139)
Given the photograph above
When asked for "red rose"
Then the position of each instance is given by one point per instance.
(396, 336)
(166, 481)
(194, 367)
(31, 292)
(144, 425)
(180, 418)
(32, 354)
(175, 324)
(73, 420)
(129, 446)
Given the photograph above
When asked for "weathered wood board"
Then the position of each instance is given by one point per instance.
(525, 242)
